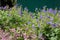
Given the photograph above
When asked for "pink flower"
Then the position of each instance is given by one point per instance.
(25, 36)
(17, 34)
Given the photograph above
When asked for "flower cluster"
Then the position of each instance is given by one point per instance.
(19, 24)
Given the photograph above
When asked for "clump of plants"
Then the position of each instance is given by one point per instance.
(19, 24)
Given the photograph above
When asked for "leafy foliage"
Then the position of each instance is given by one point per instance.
(43, 25)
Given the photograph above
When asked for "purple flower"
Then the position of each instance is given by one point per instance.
(41, 16)
(5, 7)
(48, 16)
(49, 22)
(54, 25)
(51, 18)
(33, 17)
(52, 11)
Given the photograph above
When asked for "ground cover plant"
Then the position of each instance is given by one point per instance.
(18, 24)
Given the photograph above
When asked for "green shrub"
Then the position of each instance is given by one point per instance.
(43, 24)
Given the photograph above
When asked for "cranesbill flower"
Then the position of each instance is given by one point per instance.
(54, 25)
(50, 10)
(33, 17)
(41, 16)
(48, 16)
(49, 23)
(51, 18)
(5, 7)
